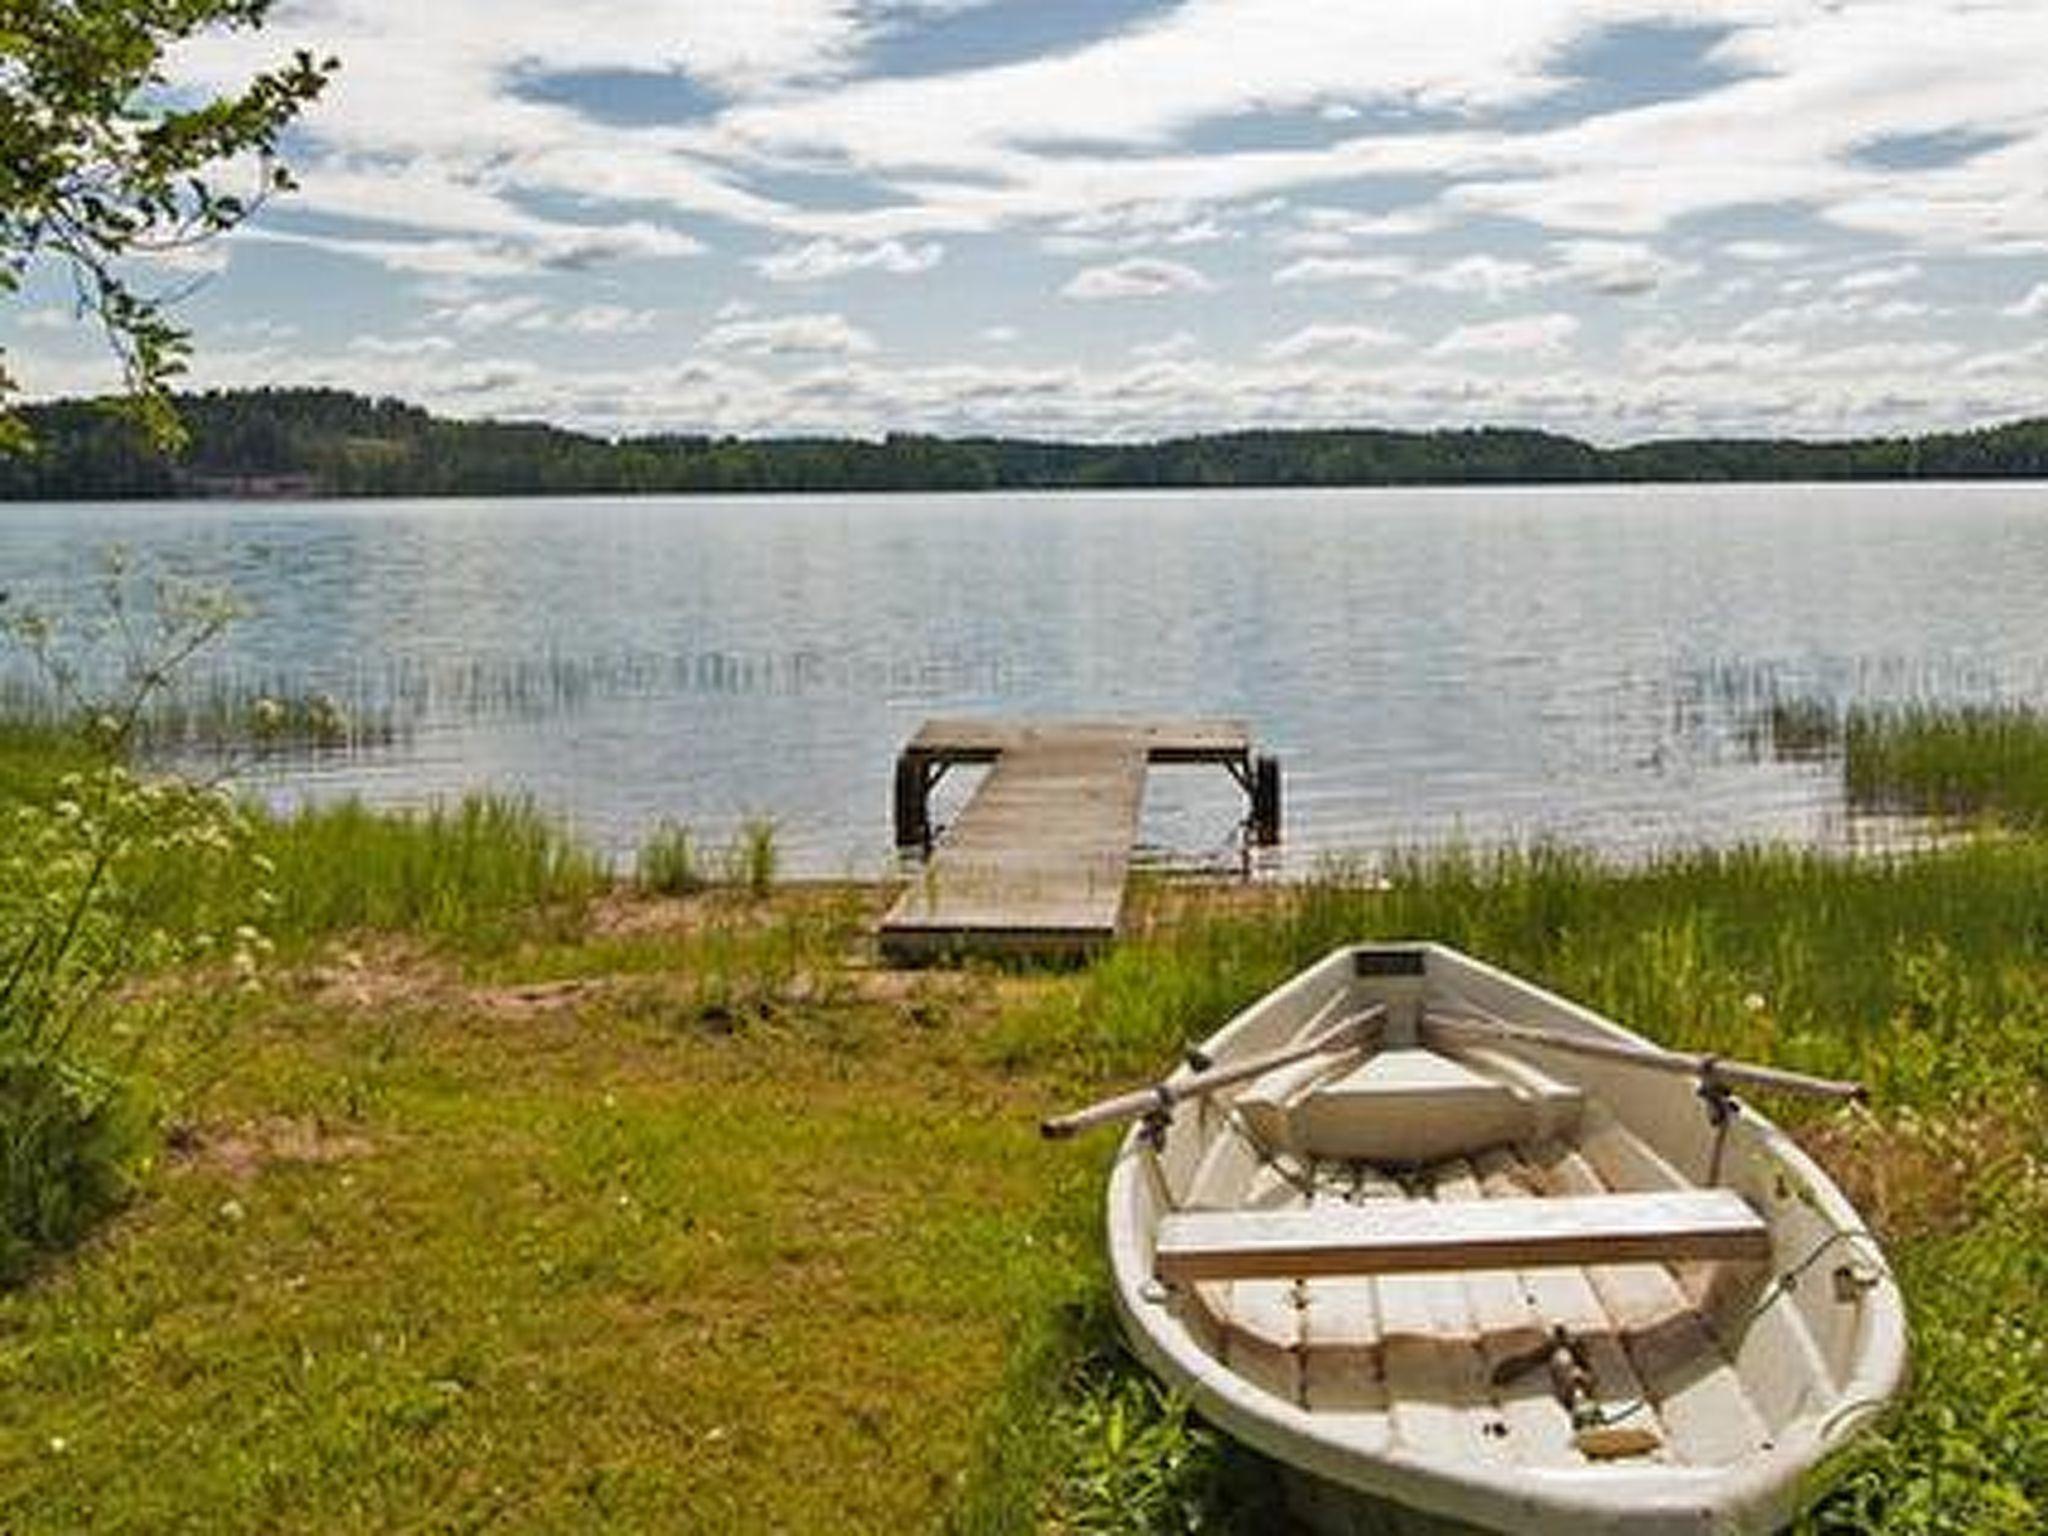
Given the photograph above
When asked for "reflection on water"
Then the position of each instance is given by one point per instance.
(1597, 666)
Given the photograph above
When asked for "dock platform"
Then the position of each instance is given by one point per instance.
(1037, 862)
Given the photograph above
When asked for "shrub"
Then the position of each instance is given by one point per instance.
(104, 875)
(68, 1137)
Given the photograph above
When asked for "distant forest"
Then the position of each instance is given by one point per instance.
(318, 442)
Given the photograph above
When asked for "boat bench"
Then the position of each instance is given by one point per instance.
(1385, 1237)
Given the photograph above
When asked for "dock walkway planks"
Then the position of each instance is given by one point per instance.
(1037, 861)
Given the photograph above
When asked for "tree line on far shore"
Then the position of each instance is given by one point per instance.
(321, 442)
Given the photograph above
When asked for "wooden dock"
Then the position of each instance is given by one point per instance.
(1037, 862)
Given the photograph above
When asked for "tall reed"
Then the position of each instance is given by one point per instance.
(473, 873)
(1950, 760)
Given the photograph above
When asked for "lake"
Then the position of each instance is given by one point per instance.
(1584, 665)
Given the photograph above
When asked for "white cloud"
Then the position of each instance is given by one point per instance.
(490, 314)
(789, 336)
(1339, 269)
(1851, 309)
(2017, 363)
(606, 320)
(1139, 277)
(1000, 335)
(565, 248)
(1525, 335)
(401, 346)
(1661, 353)
(1763, 252)
(1493, 276)
(1871, 279)
(1617, 268)
(1177, 344)
(2031, 306)
(1326, 340)
(47, 317)
(258, 329)
(818, 260)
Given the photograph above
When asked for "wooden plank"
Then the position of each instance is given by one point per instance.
(1493, 1234)
(1535, 1428)
(1343, 1373)
(1164, 741)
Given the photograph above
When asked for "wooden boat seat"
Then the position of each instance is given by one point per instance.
(1408, 1236)
(1409, 1106)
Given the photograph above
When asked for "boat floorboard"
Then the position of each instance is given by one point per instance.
(1409, 1361)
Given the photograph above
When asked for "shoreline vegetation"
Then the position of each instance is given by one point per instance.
(508, 1193)
(303, 443)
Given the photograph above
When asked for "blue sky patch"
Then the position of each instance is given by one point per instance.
(1928, 151)
(1007, 32)
(621, 98)
(1642, 64)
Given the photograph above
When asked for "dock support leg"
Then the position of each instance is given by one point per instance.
(913, 803)
(1265, 793)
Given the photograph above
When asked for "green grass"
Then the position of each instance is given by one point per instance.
(674, 862)
(34, 757)
(1970, 761)
(576, 1269)
(477, 874)
(547, 1242)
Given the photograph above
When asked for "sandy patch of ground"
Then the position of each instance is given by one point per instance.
(243, 1151)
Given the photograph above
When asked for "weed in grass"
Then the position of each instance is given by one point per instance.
(669, 862)
(672, 862)
(753, 859)
(1137, 1462)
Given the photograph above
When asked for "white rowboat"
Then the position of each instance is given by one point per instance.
(1456, 1252)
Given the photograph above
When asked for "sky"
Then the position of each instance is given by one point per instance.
(1117, 219)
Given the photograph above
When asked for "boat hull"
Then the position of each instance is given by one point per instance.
(1407, 1432)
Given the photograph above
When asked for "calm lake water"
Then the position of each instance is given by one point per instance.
(1485, 664)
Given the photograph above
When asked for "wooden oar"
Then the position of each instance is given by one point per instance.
(1710, 1070)
(1351, 1033)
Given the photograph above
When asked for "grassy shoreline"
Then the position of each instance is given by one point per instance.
(519, 1199)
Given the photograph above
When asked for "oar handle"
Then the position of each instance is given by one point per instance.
(1709, 1069)
(1125, 1106)
(1357, 1030)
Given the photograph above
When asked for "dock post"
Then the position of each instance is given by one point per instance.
(913, 803)
(1265, 787)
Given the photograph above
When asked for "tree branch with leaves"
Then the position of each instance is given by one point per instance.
(102, 162)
